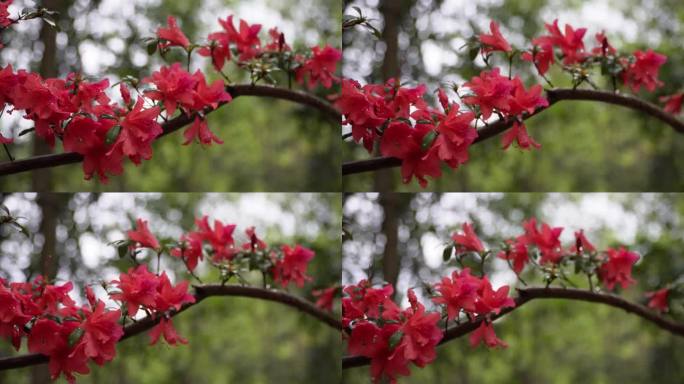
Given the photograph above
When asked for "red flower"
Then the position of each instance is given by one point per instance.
(618, 268)
(518, 132)
(604, 48)
(101, 332)
(138, 288)
(455, 136)
(292, 266)
(421, 334)
(492, 92)
(365, 301)
(582, 244)
(200, 130)
(517, 253)
(367, 339)
(175, 86)
(457, 293)
(570, 43)
(491, 301)
(495, 41)
(320, 68)
(254, 241)
(468, 240)
(5, 21)
(209, 95)
(485, 333)
(246, 41)
(325, 297)
(541, 56)
(170, 297)
(673, 103)
(525, 101)
(404, 142)
(220, 238)
(138, 130)
(547, 240)
(12, 317)
(191, 251)
(142, 237)
(658, 299)
(644, 71)
(173, 35)
(165, 327)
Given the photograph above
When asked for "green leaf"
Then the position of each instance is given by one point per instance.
(75, 336)
(428, 139)
(113, 134)
(395, 339)
(446, 254)
(152, 47)
(473, 51)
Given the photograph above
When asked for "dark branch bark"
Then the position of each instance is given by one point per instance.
(528, 294)
(201, 292)
(55, 160)
(554, 96)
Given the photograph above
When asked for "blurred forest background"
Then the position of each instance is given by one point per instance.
(269, 145)
(399, 238)
(585, 146)
(231, 340)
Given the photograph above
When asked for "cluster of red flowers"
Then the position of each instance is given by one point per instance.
(69, 334)
(81, 114)
(423, 137)
(393, 338)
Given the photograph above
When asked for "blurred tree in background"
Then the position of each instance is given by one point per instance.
(552, 341)
(586, 146)
(230, 339)
(269, 145)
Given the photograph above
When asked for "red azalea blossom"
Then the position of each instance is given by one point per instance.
(673, 103)
(254, 241)
(491, 91)
(209, 95)
(546, 239)
(491, 301)
(495, 41)
(582, 244)
(165, 327)
(138, 130)
(485, 334)
(101, 333)
(220, 238)
(658, 299)
(5, 21)
(175, 87)
(293, 265)
(468, 240)
(404, 142)
(541, 56)
(173, 35)
(457, 293)
(570, 43)
(363, 300)
(644, 71)
(142, 237)
(138, 288)
(199, 130)
(455, 136)
(171, 297)
(518, 133)
(517, 253)
(191, 251)
(617, 269)
(320, 68)
(325, 297)
(604, 48)
(421, 334)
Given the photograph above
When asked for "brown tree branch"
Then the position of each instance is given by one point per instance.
(554, 96)
(55, 160)
(201, 292)
(528, 294)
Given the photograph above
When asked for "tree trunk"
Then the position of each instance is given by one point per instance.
(390, 228)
